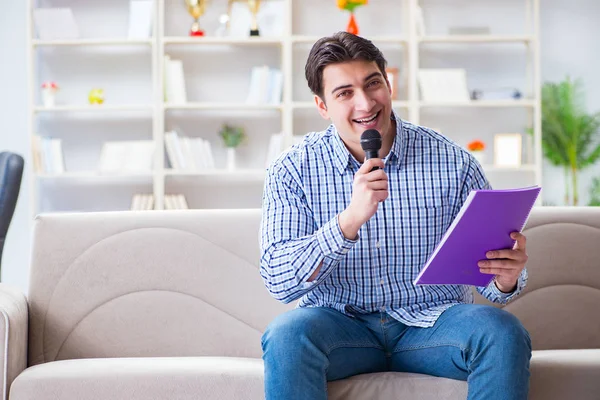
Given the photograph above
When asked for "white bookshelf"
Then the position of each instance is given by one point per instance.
(217, 74)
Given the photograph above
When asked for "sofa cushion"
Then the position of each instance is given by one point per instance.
(206, 378)
(180, 378)
(565, 374)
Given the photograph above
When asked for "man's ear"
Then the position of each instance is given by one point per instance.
(321, 107)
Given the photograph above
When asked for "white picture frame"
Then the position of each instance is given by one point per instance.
(508, 150)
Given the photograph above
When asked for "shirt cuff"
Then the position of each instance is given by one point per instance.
(334, 245)
(497, 296)
(332, 241)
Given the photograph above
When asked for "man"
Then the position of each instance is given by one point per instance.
(348, 241)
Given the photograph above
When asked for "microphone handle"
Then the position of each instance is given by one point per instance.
(372, 154)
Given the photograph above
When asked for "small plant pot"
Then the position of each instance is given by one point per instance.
(231, 158)
(49, 97)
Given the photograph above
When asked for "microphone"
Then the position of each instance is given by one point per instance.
(370, 141)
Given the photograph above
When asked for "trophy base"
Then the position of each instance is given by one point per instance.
(196, 33)
(254, 32)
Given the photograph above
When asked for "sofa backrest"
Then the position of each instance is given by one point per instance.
(186, 283)
(147, 283)
(560, 307)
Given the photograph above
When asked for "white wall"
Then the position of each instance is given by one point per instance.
(13, 135)
(569, 33)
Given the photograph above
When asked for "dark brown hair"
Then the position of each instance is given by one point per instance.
(338, 48)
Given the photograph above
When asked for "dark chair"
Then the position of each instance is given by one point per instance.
(11, 172)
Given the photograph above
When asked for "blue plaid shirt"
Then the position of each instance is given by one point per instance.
(310, 184)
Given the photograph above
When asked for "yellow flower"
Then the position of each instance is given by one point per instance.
(350, 5)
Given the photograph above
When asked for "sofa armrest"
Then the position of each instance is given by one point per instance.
(13, 335)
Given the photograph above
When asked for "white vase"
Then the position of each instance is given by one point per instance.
(48, 96)
(230, 158)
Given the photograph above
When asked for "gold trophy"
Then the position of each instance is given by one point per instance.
(196, 9)
(254, 5)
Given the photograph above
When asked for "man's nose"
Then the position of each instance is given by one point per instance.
(362, 101)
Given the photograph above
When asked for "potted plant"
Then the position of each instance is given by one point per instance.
(595, 193)
(232, 137)
(476, 148)
(350, 5)
(570, 136)
(49, 90)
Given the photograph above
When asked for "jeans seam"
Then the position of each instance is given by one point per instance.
(441, 344)
(352, 345)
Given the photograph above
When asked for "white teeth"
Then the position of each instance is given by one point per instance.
(367, 119)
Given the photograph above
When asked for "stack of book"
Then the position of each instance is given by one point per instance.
(127, 156)
(175, 202)
(265, 86)
(188, 154)
(141, 202)
(47, 155)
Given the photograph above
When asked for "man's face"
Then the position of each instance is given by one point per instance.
(356, 97)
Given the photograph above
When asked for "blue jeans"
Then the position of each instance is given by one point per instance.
(306, 347)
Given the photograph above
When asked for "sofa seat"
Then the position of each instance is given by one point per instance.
(208, 378)
(556, 374)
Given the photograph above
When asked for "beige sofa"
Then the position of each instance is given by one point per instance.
(170, 305)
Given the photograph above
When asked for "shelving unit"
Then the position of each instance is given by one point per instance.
(217, 73)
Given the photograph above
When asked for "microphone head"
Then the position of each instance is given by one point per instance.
(370, 140)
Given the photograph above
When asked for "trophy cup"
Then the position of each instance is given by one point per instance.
(196, 9)
(254, 5)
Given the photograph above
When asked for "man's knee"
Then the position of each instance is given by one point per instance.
(290, 329)
(501, 328)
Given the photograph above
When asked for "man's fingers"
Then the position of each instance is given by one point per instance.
(378, 185)
(499, 272)
(369, 164)
(502, 264)
(521, 240)
(509, 254)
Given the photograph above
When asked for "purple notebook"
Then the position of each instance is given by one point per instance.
(484, 223)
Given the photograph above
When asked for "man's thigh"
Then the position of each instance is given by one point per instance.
(303, 335)
(449, 348)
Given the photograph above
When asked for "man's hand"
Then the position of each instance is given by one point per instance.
(506, 264)
(368, 190)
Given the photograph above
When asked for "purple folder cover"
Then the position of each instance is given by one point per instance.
(484, 222)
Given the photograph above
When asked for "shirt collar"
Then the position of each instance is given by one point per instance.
(342, 157)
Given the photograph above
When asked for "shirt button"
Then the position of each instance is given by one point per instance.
(378, 244)
(381, 281)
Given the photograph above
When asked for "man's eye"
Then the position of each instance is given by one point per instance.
(343, 93)
(374, 83)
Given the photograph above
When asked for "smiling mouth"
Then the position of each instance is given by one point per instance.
(367, 120)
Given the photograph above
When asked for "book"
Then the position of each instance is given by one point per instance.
(484, 222)
(140, 19)
(443, 85)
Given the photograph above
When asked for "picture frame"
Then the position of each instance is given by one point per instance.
(393, 75)
(508, 149)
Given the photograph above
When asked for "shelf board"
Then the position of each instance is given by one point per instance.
(311, 104)
(222, 40)
(95, 176)
(375, 39)
(477, 39)
(94, 42)
(222, 106)
(219, 173)
(495, 168)
(94, 108)
(479, 103)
